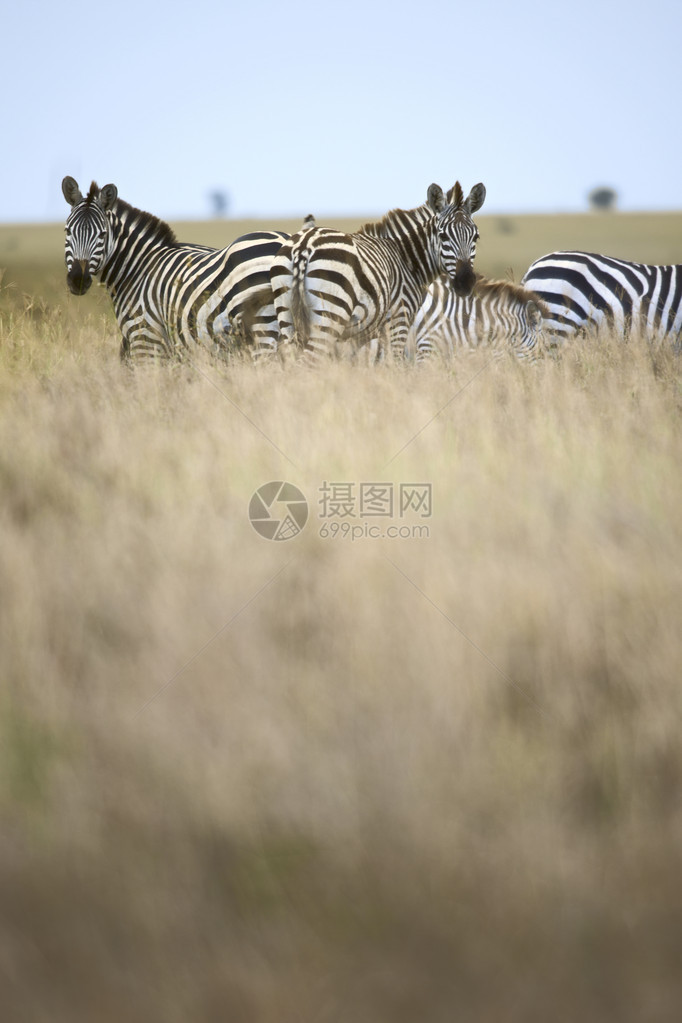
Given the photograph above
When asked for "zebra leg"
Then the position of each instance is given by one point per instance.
(425, 350)
(368, 351)
(323, 330)
(264, 333)
(395, 331)
(144, 344)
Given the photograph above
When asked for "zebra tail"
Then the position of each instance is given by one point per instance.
(300, 308)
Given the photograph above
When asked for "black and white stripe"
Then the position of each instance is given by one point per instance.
(584, 290)
(497, 314)
(329, 286)
(169, 296)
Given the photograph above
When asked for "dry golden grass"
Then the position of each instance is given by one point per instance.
(381, 780)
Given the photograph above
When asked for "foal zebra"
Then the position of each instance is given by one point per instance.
(167, 295)
(497, 314)
(584, 290)
(329, 286)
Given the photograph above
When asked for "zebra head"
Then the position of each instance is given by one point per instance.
(87, 232)
(457, 233)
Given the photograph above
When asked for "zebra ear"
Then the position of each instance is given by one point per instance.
(435, 198)
(108, 196)
(533, 314)
(476, 197)
(71, 191)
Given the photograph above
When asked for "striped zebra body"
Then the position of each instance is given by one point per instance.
(584, 290)
(497, 314)
(169, 296)
(329, 286)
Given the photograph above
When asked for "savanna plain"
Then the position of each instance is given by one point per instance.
(427, 777)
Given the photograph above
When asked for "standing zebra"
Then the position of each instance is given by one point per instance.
(168, 296)
(329, 286)
(497, 314)
(584, 290)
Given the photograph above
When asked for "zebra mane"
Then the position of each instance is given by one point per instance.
(387, 226)
(384, 228)
(455, 196)
(159, 228)
(486, 288)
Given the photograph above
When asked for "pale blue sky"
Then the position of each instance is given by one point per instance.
(350, 108)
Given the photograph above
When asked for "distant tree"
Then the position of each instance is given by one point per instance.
(220, 202)
(602, 198)
(505, 225)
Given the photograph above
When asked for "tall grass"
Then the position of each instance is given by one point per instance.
(392, 780)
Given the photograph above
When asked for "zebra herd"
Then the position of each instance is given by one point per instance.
(406, 282)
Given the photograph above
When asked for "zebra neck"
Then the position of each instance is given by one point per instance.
(136, 240)
(413, 234)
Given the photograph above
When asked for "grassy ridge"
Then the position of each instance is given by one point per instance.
(382, 780)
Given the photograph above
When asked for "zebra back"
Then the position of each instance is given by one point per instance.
(586, 291)
(497, 314)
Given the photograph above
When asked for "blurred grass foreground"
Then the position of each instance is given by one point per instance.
(427, 778)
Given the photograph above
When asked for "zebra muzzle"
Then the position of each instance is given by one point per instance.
(464, 279)
(78, 277)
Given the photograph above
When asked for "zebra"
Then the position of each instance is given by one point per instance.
(329, 286)
(168, 296)
(584, 290)
(497, 314)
